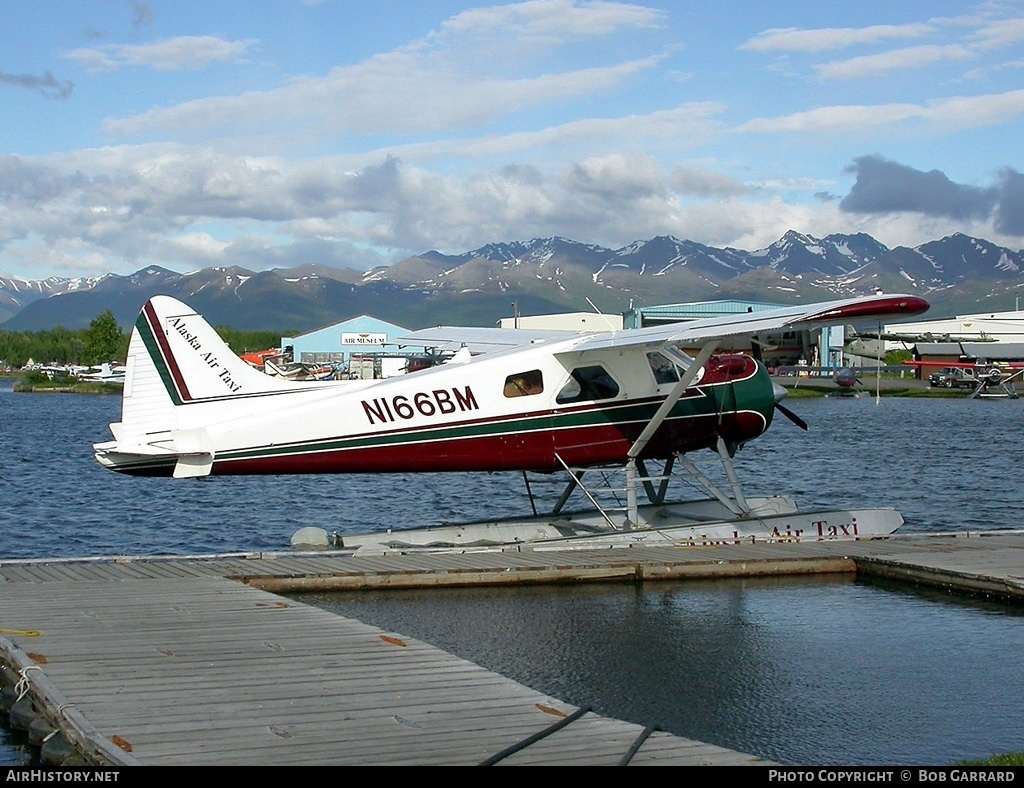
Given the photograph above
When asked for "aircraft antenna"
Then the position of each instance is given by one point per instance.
(611, 325)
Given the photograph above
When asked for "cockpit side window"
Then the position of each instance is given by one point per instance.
(524, 384)
(588, 383)
(663, 369)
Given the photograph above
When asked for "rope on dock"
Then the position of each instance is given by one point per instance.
(535, 737)
(23, 685)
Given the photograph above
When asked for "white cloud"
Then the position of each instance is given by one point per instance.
(199, 245)
(1001, 33)
(704, 184)
(893, 60)
(185, 208)
(387, 94)
(793, 39)
(685, 126)
(550, 20)
(480, 66)
(959, 112)
(173, 54)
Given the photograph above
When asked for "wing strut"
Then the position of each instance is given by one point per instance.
(529, 493)
(656, 496)
(575, 480)
(688, 376)
(707, 484)
(730, 471)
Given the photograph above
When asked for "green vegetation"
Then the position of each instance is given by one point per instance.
(1011, 759)
(58, 346)
(104, 340)
(804, 391)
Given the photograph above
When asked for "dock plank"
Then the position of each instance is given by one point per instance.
(192, 661)
(212, 671)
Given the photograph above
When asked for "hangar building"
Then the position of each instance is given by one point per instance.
(354, 343)
(365, 336)
(816, 347)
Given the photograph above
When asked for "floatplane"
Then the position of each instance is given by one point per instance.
(636, 408)
(846, 378)
(987, 380)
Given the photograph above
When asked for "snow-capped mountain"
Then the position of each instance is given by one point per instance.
(958, 274)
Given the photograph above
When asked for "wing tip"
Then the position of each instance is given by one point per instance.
(879, 306)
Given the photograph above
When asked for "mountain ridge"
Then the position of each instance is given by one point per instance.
(959, 274)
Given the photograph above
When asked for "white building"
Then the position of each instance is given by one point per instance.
(998, 326)
(566, 321)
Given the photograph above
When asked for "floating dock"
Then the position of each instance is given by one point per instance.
(198, 661)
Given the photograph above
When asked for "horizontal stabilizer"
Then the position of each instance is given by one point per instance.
(193, 465)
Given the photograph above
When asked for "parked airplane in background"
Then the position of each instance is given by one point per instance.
(913, 339)
(985, 379)
(846, 378)
(104, 373)
(551, 401)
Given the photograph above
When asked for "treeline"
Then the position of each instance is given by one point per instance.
(104, 340)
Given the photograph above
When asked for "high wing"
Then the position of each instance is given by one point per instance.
(699, 332)
(671, 339)
(688, 334)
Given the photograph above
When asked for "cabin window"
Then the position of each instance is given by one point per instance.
(524, 384)
(587, 383)
(664, 370)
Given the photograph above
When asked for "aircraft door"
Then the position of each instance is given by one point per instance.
(528, 439)
(586, 428)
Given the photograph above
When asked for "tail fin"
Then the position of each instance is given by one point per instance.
(176, 359)
(174, 354)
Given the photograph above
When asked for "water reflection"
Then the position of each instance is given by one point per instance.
(810, 671)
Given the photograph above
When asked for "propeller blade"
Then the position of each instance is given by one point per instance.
(792, 416)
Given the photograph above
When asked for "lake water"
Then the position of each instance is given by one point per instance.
(804, 671)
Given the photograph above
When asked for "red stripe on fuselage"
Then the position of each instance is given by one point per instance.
(589, 445)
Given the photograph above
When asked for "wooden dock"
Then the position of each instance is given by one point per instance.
(197, 661)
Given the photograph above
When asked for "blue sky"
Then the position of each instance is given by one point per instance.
(275, 133)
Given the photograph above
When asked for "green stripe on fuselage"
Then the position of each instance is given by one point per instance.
(755, 394)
